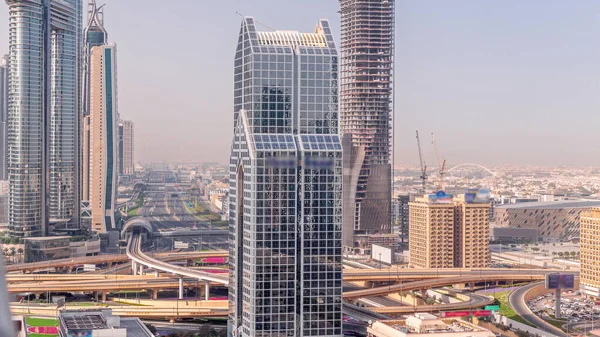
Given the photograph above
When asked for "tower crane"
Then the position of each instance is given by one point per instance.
(423, 165)
(440, 161)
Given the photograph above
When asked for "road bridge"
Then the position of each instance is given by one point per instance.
(110, 258)
(436, 283)
(134, 251)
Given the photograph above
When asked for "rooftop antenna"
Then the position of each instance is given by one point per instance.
(257, 22)
(423, 165)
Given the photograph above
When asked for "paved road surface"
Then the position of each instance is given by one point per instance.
(517, 302)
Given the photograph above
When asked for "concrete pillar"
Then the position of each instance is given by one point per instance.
(109, 264)
(557, 305)
(156, 274)
(423, 294)
(134, 267)
(206, 291)
(141, 269)
(104, 293)
(37, 296)
(180, 288)
(472, 285)
(154, 294)
(96, 295)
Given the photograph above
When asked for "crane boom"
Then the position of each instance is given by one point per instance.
(423, 165)
(440, 161)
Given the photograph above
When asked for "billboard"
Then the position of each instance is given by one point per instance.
(181, 245)
(89, 267)
(465, 313)
(560, 281)
(440, 197)
(477, 196)
(382, 254)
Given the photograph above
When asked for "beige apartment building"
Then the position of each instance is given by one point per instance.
(431, 235)
(471, 234)
(447, 232)
(104, 119)
(589, 248)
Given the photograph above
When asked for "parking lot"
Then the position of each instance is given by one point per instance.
(574, 307)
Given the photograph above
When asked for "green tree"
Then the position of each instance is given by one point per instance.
(535, 249)
(561, 254)
(573, 254)
(151, 327)
(13, 252)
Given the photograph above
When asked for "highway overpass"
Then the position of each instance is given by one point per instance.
(135, 253)
(110, 258)
(441, 282)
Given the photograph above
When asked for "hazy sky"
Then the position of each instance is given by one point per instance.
(508, 81)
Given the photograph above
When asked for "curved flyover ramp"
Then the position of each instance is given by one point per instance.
(134, 251)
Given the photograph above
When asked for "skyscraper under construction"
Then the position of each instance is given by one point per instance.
(367, 54)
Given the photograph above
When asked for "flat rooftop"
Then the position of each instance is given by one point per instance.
(47, 238)
(86, 321)
(552, 204)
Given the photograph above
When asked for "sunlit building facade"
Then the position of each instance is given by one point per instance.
(285, 186)
(589, 256)
(104, 117)
(449, 232)
(43, 114)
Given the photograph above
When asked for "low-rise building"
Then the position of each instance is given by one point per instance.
(556, 220)
(100, 323)
(423, 324)
(47, 248)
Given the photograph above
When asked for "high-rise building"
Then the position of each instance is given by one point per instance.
(43, 114)
(4, 118)
(400, 215)
(431, 239)
(285, 185)
(366, 68)
(589, 247)
(104, 119)
(95, 35)
(126, 159)
(447, 232)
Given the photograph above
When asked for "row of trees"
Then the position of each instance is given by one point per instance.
(12, 252)
(11, 241)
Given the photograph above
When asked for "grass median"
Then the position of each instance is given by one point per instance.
(506, 310)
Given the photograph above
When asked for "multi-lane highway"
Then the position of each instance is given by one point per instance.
(166, 210)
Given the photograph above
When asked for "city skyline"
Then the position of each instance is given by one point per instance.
(501, 76)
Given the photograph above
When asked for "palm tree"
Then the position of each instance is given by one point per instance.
(20, 251)
(13, 252)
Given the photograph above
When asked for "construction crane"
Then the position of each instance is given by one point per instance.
(423, 165)
(440, 161)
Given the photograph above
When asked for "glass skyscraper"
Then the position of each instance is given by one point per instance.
(4, 118)
(285, 185)
(43, 114)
